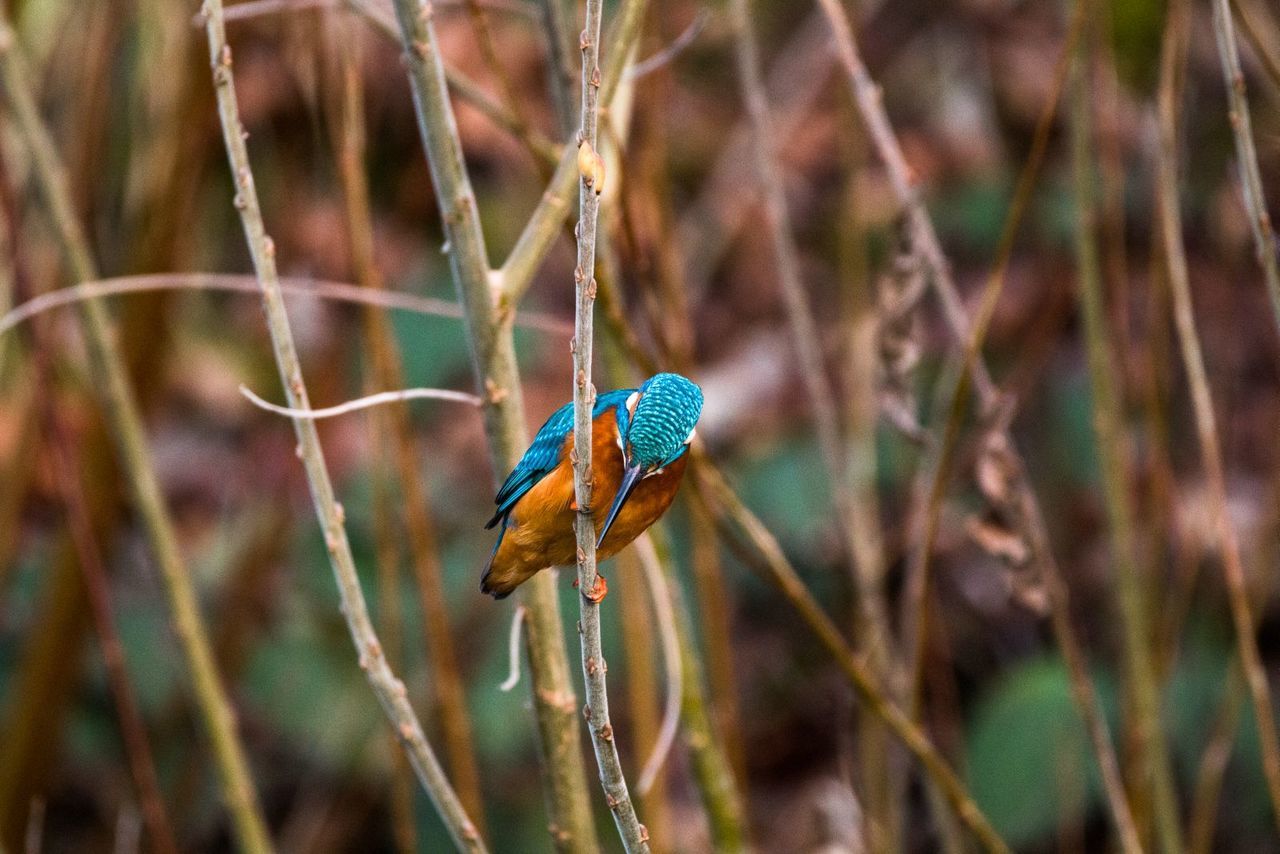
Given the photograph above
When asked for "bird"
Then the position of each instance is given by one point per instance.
(640, 440)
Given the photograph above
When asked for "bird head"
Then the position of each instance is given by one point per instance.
(659, 425)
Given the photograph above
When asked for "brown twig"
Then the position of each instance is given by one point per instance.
(339, 291)
(1255, 201)
(1152, 765)
(446, 683)
(108, 370)
(80, 526)
(858, 521)
(930, 485)
(497, 380)
(734, 519)
(1170, 223)
(390, 690)
(592, 178)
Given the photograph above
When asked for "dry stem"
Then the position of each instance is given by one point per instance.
(1153, 767)
(390, 690)
(1255, 201)
(109, 375)
(1170, 221)
(592, 177)
(497, 380)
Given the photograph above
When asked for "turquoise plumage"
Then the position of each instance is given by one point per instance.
(639, 442)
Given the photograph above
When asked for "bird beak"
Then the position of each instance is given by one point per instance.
(630, 477)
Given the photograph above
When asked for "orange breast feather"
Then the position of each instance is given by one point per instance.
(540, 532)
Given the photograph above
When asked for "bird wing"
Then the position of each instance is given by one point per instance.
(544, 453)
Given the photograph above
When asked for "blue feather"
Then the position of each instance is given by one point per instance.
(544, 452)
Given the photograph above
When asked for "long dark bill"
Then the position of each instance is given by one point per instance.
(630, 478)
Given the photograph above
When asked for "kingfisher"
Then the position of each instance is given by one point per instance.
(639, 450)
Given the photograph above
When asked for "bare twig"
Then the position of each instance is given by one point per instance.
(378, 399)
(542, 150)
(711, 769)
(727, 196)
(660, 594)
(373, 661)
(339, 291)
(513, 650)
(560, 75)
(110, 378)
(489, 52)
(258, 8)
(547, 218)
(735, 520)
(1170, 222)
(650, 64)
(857, 523)
(974, 371)
(1255, 202)
(1263, 48)
(592, 178)
(80, 525)
(447, 688)
(1153, 768)
(497, 380)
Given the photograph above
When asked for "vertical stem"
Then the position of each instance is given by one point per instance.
(591, 171)
(390, 690)
(132, 729)
(858, 520)
(560, 72)
(1255, 202)
(735, 519)
(107, 368)
(1154, 773)
(1170, 222)
(974, 374)
(711, 767)
(643, 689)
(497, 380)
(447, 685)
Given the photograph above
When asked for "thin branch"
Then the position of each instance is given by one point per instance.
(1153, 768)
(80, 526)
(712, 771)
(111, 379)
(539, 147)
(259, 8)
(592, 176)
(1261, 47)
(974, 372)
(727, 196)
(245, 284)
(447, 689)
(734, 519)
(489, 52)
(497, 380)
(390, 690)
(678, 45)
(365, 402)
(560, 74)
(1255, 201)
(660, 594)
(513, 650)
(858, 525)
(1170, 222)
(547, 218)
(1207, 791)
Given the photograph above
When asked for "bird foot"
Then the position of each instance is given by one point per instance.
(597, 593)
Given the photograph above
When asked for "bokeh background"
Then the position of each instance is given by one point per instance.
(124, 86)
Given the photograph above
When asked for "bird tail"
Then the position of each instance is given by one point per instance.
(499, 580)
